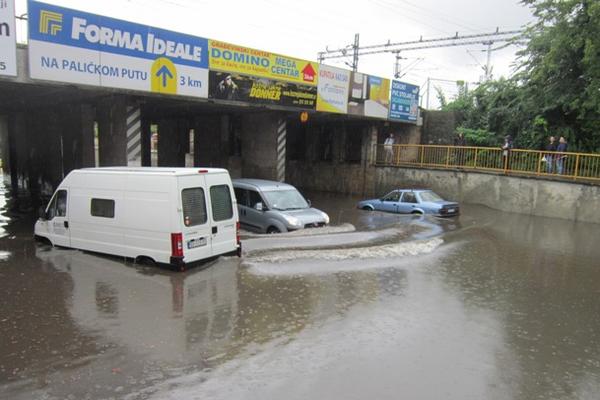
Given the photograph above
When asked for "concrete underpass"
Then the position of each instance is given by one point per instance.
(48, 129)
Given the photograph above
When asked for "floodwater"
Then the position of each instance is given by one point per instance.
(487, 306)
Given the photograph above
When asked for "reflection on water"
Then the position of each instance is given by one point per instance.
(503, 307)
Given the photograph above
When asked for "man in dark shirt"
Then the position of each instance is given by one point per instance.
(550, 157)
(560, 156)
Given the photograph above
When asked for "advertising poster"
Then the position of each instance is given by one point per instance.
(368, 95)
(242, 60)
(251, 89)
(8, 42)
(332, 93)
(66, 45)
(404, 102)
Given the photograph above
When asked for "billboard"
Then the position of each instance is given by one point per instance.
(72, 46)
(332, 94)
(227, 57)
(404, 102)
(368, 95)
(8, 42)
(252, 89)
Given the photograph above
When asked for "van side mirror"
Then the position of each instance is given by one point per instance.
(258, 206)
(309, 202)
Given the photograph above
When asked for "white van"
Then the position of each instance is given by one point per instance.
(168, 215)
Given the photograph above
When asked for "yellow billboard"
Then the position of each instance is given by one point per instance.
(243, 60)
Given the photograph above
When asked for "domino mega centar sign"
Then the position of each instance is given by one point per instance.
(72, 46)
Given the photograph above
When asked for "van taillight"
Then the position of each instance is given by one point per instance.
(176, 245)
(237, 232)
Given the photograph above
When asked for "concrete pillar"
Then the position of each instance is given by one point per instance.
(368, 160)
(134, 136)
(88, 145)
(77, 123)
(207, 141)
(281, 148)
(259, 145)
(112, 131)
(146, 142)
(16, 133)
(172, 137)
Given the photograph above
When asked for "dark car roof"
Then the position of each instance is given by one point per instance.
(260, 184)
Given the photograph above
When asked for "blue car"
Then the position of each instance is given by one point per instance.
(412, 201)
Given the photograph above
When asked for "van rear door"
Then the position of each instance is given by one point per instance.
(196, 226)
(223, 213)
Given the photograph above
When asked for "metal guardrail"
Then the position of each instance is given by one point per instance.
(575, 166)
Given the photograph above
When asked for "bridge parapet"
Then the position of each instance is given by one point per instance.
(518, 162)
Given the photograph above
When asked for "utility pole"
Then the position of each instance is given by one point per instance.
(355, 48)
(428, 87)
(397, 66)
(488, 72)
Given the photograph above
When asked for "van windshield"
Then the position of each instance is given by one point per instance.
(285, 200)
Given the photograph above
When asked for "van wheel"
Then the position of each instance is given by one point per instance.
(417, 213)
(145, 261)
(367, 208)
(273, 229)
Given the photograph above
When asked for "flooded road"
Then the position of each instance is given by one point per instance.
(487, 306)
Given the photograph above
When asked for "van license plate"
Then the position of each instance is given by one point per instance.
(451, 210)
(196, 243)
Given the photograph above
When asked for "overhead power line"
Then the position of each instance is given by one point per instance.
(356, 51)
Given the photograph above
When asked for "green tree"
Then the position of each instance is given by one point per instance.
(561, 68)
(556, 89)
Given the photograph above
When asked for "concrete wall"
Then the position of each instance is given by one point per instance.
(439, 127)
(572, 201)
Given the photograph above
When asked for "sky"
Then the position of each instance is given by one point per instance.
(302, 29)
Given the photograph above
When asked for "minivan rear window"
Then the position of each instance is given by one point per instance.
(220, 200)
(194, 206)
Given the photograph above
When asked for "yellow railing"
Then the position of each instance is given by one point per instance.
(577, 166)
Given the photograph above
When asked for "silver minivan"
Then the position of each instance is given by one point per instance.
(273, 207)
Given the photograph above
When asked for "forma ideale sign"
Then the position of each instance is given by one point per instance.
(73, 46)
(8, 43)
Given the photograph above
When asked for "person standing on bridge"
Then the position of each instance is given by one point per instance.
(388, 146)
(561, 157)
(506, 148)
(550, 157)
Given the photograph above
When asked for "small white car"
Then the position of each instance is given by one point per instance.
(273, 207)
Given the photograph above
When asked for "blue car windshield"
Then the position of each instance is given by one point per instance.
(285, 200)
(430, 196)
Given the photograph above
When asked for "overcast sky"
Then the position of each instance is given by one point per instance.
(303, 28)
